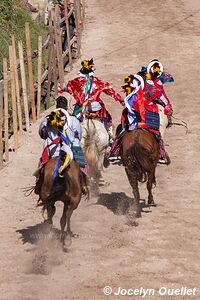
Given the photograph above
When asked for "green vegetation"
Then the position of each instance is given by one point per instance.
(13, 16)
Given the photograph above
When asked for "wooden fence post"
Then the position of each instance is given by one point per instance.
(14, 106)
(17, 85)
(57, 33)
(6, 117)
(51, 58)
(1, 136)
(30, 70)
(77, 22)
(68, 33)
(23, 78)
(39, 75)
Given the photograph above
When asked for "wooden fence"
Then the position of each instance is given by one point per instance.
(20, 96)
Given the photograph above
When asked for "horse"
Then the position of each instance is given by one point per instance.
(95, 141)
(67, 189)
(139, 153)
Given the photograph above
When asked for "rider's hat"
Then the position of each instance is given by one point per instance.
(138, 81)
(87, 66)
(155, 66)
(132, 82)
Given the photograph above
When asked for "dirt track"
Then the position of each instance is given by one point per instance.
(164, 249)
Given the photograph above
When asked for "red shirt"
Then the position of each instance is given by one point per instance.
(76, 88)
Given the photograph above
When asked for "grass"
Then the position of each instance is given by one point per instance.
(13, 16)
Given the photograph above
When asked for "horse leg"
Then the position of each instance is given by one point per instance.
(48, 223)
(69, 213)
(150, 181)
(50, 213)
(134, 184)
(63, 221)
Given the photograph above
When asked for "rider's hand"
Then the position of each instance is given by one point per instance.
(168, 110)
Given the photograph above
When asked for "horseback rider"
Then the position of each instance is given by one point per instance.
(134, 111)
(86, 90)
(157, 77)
(154, 94)
(133, 115)
(140, 111)
(62, 134)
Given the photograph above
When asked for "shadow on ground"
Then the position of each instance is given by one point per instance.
(33, 234)
(119, 203)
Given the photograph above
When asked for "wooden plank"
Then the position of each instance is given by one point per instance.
(30, 71)
(13, 97)
(39, 75)
(69, 14)
(23, 79)
(68, 33)
(19, 111)
(6, 116)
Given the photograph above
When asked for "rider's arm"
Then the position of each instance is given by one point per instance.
(74, 88)
(108, 89)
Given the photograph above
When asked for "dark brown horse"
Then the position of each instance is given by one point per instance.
(67, 189)
(140, 153)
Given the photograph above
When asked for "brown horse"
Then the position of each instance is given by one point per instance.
(140, 153)
(67, 189)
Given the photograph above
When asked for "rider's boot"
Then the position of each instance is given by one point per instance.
(164, 158)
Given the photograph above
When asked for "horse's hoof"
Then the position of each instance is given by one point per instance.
(65, 248)
(67, 241)
(152, 203)
(74, 235)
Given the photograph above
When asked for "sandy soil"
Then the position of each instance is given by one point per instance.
(163, 250)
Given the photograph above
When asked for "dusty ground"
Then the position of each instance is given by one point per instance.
(164, 249)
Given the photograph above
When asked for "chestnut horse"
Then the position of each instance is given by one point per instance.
(67, 189)
(140, 153)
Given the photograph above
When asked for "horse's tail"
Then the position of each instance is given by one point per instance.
(92, 152)
(59, 188)
(139, 161)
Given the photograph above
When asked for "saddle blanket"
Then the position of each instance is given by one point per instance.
(152, 120)
(78, 156)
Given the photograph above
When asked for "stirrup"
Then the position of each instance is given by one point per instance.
(114, 158)
(162, 161)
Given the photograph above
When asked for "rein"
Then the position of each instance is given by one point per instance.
(28, 190)
(179, 123)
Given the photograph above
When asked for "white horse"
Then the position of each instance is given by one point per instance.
(95, 141)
